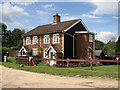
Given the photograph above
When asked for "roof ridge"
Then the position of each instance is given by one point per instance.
(59, 22)
(72, 20)
(49, 24)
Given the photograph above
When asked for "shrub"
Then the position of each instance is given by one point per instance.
(13, 48)
(4, 50)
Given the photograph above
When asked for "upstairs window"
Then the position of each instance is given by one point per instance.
(90, 38)
(55, 38)
(46, 38)
(28, 41)
(35, 39)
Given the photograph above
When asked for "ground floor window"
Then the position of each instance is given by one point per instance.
(23, 52)
(89, 55)
(45, 53)
(35, 52)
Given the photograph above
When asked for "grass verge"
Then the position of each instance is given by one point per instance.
(109, 71)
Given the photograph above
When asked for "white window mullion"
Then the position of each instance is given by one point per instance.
(35, 39)
(46, 39)
(90, 38)
(28, 41)
(55, 38)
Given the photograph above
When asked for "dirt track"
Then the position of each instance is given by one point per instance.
(12, 78)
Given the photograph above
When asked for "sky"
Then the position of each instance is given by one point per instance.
(100, 17)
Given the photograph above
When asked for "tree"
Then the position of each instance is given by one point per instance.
(118, 45)
(16, 37)
(99, 45)
(11, 38)
(110, 48)
(3, 28)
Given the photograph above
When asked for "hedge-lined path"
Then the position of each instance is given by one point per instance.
(12, 78)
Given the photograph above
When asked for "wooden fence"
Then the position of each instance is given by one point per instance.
(31, 63)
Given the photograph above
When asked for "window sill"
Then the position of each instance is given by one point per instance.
(55, 42)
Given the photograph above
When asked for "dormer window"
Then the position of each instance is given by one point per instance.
(35, 39)
(28, 41)
(46, 39)
(55, 38)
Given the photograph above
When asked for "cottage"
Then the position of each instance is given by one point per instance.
(59, 40)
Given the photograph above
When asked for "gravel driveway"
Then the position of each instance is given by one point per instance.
(12, 78)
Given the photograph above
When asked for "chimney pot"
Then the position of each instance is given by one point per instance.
(56, 19)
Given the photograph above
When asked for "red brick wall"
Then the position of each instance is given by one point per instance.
(82, 43)
(59, 45)
(42, 44)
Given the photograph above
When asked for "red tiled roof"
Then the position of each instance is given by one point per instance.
(51, 28)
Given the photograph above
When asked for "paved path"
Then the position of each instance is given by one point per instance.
(12, 78)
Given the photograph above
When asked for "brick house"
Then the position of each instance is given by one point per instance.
(59, 40)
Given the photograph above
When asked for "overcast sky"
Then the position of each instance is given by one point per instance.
(99, 17)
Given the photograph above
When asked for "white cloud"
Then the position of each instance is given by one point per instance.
(90, 16)
(16, 25)
(21, 2)
(105, 36)
(64, 18)
(115, 17)
(40, 12)
(43, 15)
(24, 25)
(49, 7)
(105, 7)
(62, 0)
(66, 14)
(9, 12)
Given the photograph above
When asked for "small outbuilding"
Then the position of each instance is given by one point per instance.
(99, 54)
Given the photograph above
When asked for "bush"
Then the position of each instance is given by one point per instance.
(13, 48)
(4, 50)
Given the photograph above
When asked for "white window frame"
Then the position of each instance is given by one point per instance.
(90, 38)
(57, 37)
(28, 39)
(35, 49)
(35, 40)
(45, 54)
(46, 39)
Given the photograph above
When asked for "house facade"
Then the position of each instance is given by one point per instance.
(59, 40)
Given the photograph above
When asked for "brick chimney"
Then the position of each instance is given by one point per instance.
(56, 19)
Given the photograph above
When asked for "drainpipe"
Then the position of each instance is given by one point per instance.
(88, 52)
(94, 47)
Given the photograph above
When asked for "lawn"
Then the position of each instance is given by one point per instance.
(110, 71)
(11, 59)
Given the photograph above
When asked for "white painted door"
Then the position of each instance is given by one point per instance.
(51, 57)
